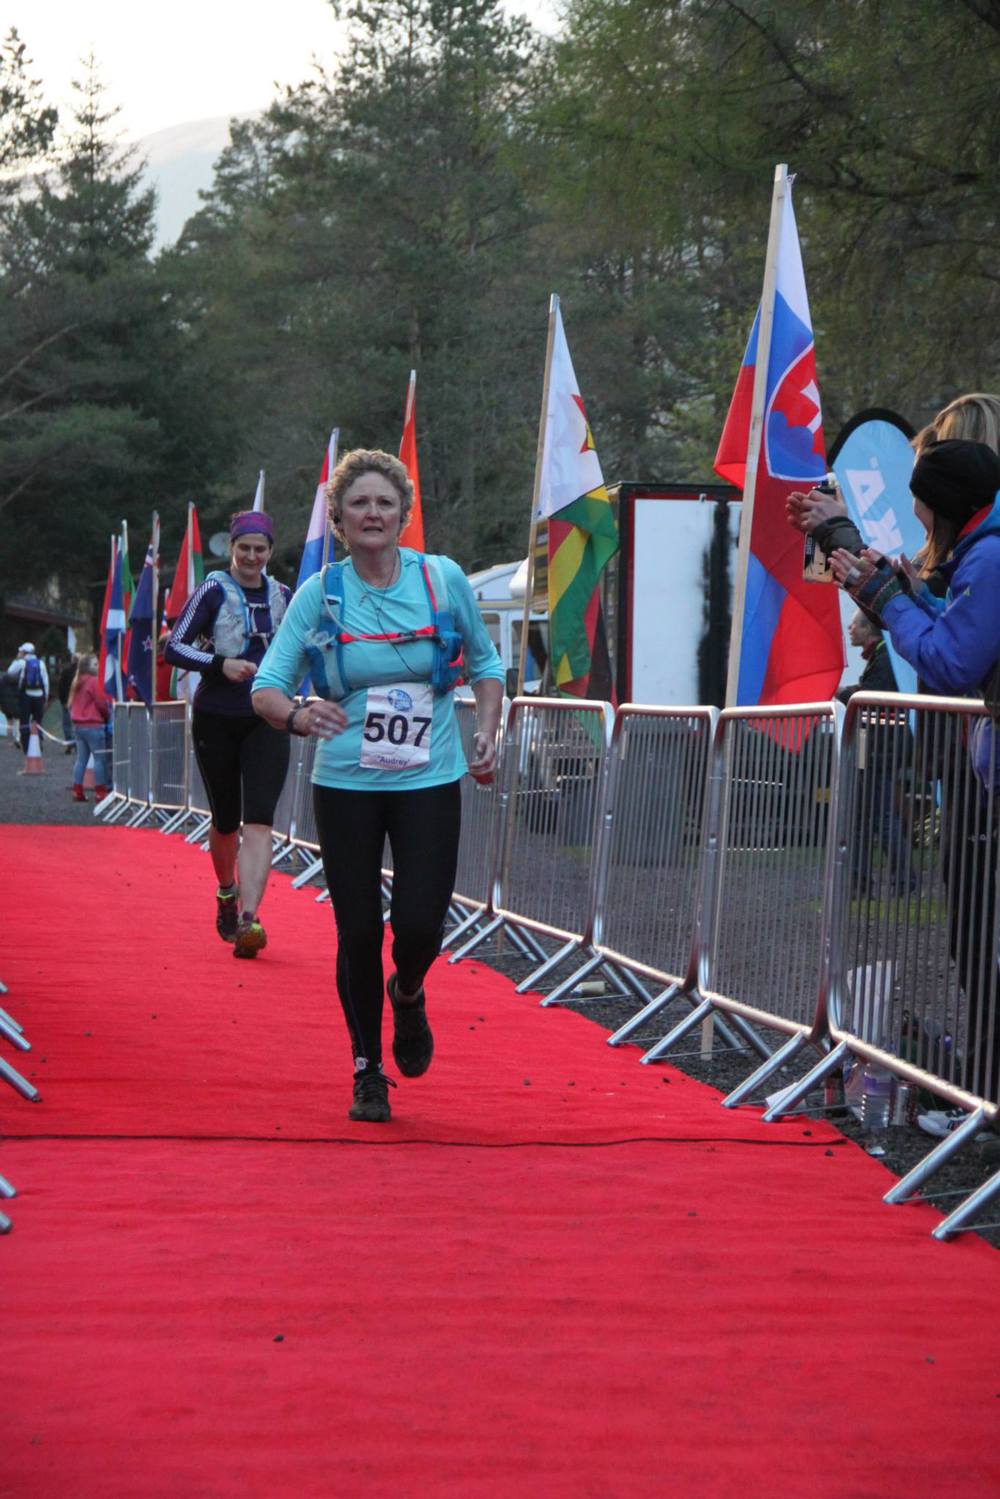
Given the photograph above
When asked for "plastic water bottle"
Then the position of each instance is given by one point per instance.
(876, 1098)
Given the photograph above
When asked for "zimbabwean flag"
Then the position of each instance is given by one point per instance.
(583, 536)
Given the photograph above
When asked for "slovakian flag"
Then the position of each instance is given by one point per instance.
(787, 642)
(317, 548)
(113, 641)
(140, 651)
(582, 534)
(413, 532)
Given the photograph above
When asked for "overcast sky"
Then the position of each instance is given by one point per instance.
(186, 59)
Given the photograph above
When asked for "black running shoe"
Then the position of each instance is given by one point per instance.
(371, 1097)
(412, 1042)
(227, 914)
(250, 937)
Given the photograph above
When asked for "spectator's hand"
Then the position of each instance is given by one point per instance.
(850, 571)
(238, 671)
(905, 566)
(483, 767)
(321, 719)
(806, 511)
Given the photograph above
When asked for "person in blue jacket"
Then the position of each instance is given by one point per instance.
(954, 644)
(383, 637)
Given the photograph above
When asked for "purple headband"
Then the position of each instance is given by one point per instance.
(251, 523)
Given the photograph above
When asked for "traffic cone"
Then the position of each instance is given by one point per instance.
(34, 765)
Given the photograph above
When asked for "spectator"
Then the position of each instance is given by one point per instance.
(90, 712)
(954, 645)
(32, 680)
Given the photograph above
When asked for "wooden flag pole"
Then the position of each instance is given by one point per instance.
(332, 448)
(759, 400)
(154, 629)
(529, 587)
(121, 671)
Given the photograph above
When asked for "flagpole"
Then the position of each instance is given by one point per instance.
(758, 403)
(535, 494)
(119, 674)
(154, 626)
(332, 448)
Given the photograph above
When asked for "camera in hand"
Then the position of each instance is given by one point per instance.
(815, 563)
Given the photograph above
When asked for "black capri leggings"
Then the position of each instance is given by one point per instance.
(243, 762)
(423, 828)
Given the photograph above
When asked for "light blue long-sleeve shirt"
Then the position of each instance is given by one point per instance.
(375, 664)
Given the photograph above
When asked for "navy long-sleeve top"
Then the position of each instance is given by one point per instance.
(190, 647)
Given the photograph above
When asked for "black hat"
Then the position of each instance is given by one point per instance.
(956, 479)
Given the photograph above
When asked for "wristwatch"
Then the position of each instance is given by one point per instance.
(290, 720)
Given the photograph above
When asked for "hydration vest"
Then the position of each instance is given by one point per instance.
(231, 631)
(32, 680)
(325, 644)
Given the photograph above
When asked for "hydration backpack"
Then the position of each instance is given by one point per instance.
(33, 675)
(325, 644)
(231, 631)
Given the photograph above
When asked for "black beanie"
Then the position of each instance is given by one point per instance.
(956, 479)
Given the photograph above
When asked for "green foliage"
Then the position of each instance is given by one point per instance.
(415, 204)
(86, 359)
(374, 221)
(27, 124)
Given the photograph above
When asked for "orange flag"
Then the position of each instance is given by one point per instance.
(413, 534)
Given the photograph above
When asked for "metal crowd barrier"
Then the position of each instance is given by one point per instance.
(768, 852)
(472, 900)
(832, 878)
(649, 894)
(551, 792)
(914, 978)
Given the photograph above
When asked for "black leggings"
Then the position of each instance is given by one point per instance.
(423, 828)
(243, 762)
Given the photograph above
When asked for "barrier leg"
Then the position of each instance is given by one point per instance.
(526, 942)
(774, 1063)
(576, 977)
(698, 1014)
(463, 926)
(654, 1007)
(6, 1190)
(199, 830)
(173, 823)
(17, 1082)
(113, 813)
(487, 931)
(306, 874)
(958, 1221)
(909, 1185)
(5, 1224)
(113, 801)
(15, 1035)
(9, 1019)
(796, 1092)
(547, 967)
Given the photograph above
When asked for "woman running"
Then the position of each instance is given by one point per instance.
(381, 636)
(223, 633)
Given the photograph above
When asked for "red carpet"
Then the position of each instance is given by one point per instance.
(554, 1273)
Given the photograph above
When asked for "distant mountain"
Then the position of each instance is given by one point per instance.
(180, 164)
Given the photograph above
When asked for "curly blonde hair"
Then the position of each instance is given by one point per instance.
(367, 461)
